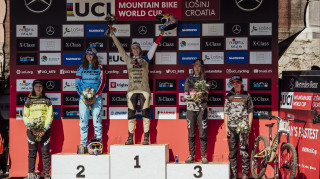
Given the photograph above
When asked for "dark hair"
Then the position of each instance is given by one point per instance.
(33, 93)
(202, 72)
(85, 62)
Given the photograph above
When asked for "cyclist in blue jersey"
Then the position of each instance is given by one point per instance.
(90, 74)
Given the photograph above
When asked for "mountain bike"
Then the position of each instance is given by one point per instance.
(285, 156)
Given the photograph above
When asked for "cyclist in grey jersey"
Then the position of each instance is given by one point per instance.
(238, 107)
(138, 90)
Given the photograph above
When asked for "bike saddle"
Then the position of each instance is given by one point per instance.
(270, 125)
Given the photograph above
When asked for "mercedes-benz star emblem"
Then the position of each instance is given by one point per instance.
(236, 29)
(213, 84)
(38, 6)
(50, 85)
(50, 30)
(142, 30)
(248, 5)
(291, 84)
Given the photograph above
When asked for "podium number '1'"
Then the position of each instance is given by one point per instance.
(136, 158)
(199, 171)
(79, 174)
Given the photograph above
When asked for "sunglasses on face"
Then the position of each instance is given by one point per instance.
(89, 53)
(236, 82)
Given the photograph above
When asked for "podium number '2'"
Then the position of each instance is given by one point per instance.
(136, 158)
(80, 175)
(199, 171)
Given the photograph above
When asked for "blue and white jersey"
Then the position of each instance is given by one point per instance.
(90, 78)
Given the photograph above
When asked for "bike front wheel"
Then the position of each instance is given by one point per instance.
(258, 159)
(288, 161)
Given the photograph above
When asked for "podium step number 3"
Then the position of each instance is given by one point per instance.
(138, 161)
(198, 170)
(73, 166)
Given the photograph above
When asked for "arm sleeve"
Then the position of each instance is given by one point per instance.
(227, 106)
(152, 50)
(121, 50)
(187, 95)
(250, 104)
(78, 80)
(49, 115)
(26, 112)
(102, 81)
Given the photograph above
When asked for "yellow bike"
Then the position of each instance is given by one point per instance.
(285, 156)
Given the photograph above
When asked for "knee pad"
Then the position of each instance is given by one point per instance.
(131, 114)
(146, 113)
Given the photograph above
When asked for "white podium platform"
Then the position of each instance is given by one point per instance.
(74, 166)
(139, 161)
(198, 170)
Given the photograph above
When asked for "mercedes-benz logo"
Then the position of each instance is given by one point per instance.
(142, 30)
(236, 29)
(38, 6)
(248, 5)
(50, 85)
(213, 84)
(291, 86)
(50, 30)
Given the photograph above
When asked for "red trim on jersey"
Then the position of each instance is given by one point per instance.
(102, 81)
(158, 39)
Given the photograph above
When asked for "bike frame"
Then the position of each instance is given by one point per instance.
(273, 147)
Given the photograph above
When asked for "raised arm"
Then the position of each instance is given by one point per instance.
(121, 50)
(153, 48)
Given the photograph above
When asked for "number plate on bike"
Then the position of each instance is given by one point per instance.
(284, 126)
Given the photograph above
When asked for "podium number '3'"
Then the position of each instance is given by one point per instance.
(136, 158)
(199, 174)
(79, 174)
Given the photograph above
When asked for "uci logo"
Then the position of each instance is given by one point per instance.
(88, 10)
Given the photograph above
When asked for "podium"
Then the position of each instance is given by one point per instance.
(132, 162)
(198, 170)
(74, 166)
(138, 161)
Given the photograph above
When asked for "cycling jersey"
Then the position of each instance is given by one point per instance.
(90, 78)
(237, 107)
(189, 89)
(38, 107)
(138, 66)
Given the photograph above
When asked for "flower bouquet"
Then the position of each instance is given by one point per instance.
(201, 88)
(243, 127)
(111, 19)
(88, 94)
(36, 124)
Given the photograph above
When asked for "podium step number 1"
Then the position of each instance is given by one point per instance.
(138, 161)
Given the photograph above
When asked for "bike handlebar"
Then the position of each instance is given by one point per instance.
(299, 120)
(295, 120)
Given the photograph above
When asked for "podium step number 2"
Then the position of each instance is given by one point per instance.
(73, 166)
(138, 161)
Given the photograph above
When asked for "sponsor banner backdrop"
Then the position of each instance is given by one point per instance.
(48, 42)
(299, 98)
(50, 58)
(137, 10)
(27, 31)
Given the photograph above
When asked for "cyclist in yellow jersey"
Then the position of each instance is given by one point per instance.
(38, 106)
